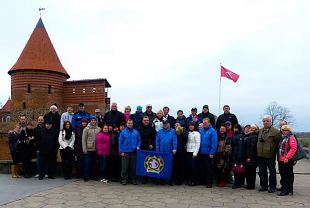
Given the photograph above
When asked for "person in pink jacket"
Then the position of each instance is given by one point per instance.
(103, 146)
(287, 149)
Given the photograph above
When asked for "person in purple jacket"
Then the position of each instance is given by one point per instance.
(129, 143)
(208, 146)
(103, 146)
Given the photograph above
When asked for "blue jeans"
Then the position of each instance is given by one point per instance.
(102, 166)
(89, 165)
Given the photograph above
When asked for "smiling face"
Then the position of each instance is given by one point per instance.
(67, 125)
(267, 123)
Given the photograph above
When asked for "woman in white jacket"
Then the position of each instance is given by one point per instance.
(66, 141)
(192, 148)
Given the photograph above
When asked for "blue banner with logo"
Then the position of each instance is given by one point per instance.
(154, 164)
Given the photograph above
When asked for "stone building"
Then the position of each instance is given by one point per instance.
(39, 80)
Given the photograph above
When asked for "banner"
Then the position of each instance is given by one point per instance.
(229, 74)
(154, 164)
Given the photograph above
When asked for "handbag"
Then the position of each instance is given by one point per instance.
(300, 152)
(238, 169)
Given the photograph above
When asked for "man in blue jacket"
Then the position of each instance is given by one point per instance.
(78, 116)
(129, 143)
(208, 147)
(166, 139)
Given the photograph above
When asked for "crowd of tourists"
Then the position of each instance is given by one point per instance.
(206, 149)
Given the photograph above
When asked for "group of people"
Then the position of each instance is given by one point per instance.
(205, 148)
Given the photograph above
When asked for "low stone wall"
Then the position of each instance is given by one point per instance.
(4, 149)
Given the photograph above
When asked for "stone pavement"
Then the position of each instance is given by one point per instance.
(78, 193)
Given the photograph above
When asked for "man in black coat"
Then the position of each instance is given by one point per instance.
(149, 113)
(148, 134)
(226, 116)
(169, 118)
(54, 117)
(114, 117)
(48, 147)
(206, 114)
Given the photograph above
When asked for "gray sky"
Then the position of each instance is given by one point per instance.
(169, 52)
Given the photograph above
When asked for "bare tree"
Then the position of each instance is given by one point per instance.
(278, 113)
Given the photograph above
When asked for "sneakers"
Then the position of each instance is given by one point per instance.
(36, 176)
(104, 180)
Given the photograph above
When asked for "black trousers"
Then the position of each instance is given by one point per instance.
(66, 160)
(179, 168)
(287, 176)
(129, 163)
(250, 175)
(239, 179)
(192, 167)
(206, 169)
(263, 164)
(48, 160)
(114, 167)
(15, 157)
(26, 162)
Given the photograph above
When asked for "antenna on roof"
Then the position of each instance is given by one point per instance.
(40, 9)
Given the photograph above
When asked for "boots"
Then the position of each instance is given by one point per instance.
(13, 171)
(18, 169)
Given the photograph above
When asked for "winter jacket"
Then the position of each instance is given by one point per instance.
(114, 118)
(100, 120)
(37, 130)
(55, 119)
(182, 138)
(129, 140)
(137, 118)
(226, 117)
(166, 140)
(65, 117)
(193, 142)
(89, 138)
(127, 116)
(237, 144)
(190, 118)
(63, 142)
(268, 140)
(77, 118)
(12, 138)
(148, 136)
(182, 121)
(208, 141)
(114, 142)
(48, 141)
(250, 148)
(103, 143)
(158, 124)
(290, 148)
(78, 147)
(209, 115)
(223, 153)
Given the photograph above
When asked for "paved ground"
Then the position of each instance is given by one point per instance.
(60, 193)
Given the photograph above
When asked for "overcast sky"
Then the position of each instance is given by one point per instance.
(169, 52)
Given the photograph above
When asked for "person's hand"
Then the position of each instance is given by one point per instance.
(123, 154)
(151, 147)
(194, 156)
(285, 160)
(27, 141)
(174, 152)
(138, 148)
(211, 156)
(248, 160)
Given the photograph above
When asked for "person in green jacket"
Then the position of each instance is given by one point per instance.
(268, 140)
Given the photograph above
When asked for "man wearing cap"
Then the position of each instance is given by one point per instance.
(170, 119)
(226, 116)
(66, 116)
(137, 117)
(114, 117)
(193, 117)
(78, 116)
(149, 113)
(47, 143)
(99, 117)
(206, 114)
(268, 140)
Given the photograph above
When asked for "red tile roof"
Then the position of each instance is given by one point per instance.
(39, 53)
(7, 107)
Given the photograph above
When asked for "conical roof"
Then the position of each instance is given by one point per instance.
(39, 53)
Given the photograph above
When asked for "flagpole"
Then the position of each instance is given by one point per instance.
(220, 90)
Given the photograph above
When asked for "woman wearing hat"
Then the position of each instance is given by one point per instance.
(287, 149)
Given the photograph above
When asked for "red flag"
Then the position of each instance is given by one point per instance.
(229, 74)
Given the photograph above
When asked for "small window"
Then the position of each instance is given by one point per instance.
(84, 90)
(24, 105)
(49, 89)
(94, 89)
(29, 88)
(73, 90)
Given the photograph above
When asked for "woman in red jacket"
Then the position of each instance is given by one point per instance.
(103, 146)
(287, 149)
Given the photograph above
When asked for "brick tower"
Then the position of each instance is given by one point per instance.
(37, 77)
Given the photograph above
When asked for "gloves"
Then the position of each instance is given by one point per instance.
(68, 148)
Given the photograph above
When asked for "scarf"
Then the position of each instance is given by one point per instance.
(283, 144)
(68, 133)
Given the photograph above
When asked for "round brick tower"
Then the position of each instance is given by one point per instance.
(38, 75)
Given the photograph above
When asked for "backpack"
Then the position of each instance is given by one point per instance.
(300, 152)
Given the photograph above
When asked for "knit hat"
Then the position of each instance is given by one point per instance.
(139, 107)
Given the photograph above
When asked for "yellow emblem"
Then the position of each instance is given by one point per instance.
(153, 164)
